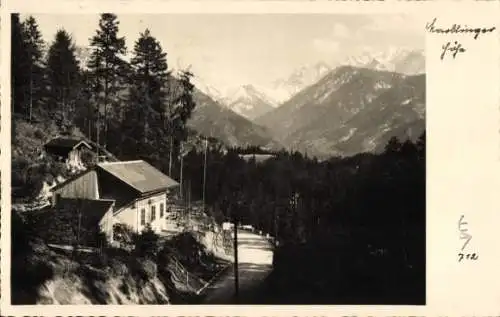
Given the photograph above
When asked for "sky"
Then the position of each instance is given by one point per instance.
(228, 50)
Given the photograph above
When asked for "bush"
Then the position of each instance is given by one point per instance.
(188, 248)
(124, 236)
(150, 268)
(146, 244)
(29, 268)
(88, 157)
(28, 175)
(39, 134)
(21, 235)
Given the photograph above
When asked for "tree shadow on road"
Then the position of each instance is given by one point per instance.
(254, 242)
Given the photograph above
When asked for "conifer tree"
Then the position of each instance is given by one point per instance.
(181, 111)
(27, 66)
(63, 75)
(19, 66)
(186, 105)
(85, 114)
(148, 82)
(107, 69)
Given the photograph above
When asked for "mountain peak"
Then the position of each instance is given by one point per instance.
(207, 89)
(300, 78)
(248, 87)
(350, 110)
(248, 101)
(212, 118)
(396, 59)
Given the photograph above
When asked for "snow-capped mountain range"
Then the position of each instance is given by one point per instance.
(208, 89)
(350, 110)
(248, 101)
(252, 101)
(304, 76)
(401, 60)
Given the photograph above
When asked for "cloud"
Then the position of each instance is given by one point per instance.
(326, 45)
(396, 24)
(331, 43)
(399, 30)
(341, 31)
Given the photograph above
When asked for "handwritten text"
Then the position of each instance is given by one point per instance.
(453, 48)
(464, 235)
(458, 29)
(467, 237)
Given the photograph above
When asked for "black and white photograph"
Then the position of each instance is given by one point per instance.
(231, 159)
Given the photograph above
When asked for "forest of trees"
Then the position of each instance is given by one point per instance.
(349, 230)
(137, 109)
(297, 199)
(128, 107)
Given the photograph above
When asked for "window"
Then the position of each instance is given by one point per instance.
(143, 217)
(153, 213)
(161, 210)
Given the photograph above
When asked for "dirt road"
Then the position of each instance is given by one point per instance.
(255, 263)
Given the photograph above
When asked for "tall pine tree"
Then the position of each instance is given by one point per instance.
(107, 70)
(26, 66)
(19, 66)
(63, 75)
(178, 112)
(34, 45)
(186, 105)
(147, 89)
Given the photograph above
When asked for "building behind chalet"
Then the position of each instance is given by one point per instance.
(68, 150)
(131, 192)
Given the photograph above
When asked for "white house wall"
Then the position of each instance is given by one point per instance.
(106, 224)
(146, 204)
(127, 216)
(131, 215)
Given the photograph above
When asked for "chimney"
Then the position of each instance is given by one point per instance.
(55, 198)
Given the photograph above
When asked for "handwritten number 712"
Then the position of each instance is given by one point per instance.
(468, 256)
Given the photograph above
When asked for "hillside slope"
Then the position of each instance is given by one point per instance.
(350, 106)
(398, 112)
(336, 97)
(31, 168)
(48, 272)
(212, 119)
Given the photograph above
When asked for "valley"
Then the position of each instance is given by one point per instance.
(336, 108)
(279, 168)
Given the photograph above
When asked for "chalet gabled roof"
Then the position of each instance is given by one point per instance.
(140, 175)
(67, 143)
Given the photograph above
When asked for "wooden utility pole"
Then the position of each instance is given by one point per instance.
(233, 212)
(79, 226)
(235, 247)
(170, 156)
(98, 128)
(189, 194)
(182, 167)
(31, 88)
(205, 172)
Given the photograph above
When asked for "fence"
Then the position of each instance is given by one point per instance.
(184, 276)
